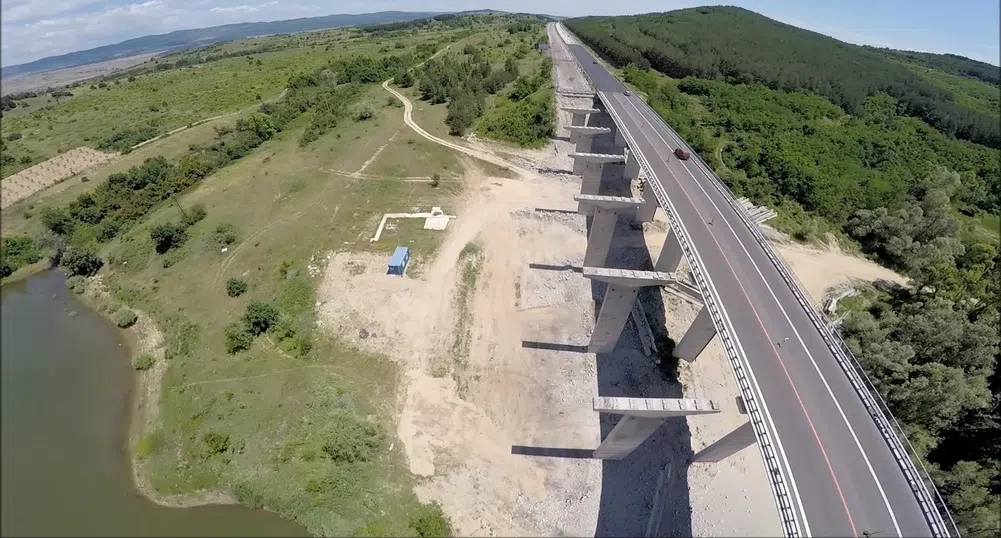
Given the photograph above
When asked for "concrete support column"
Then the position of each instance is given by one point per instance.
(590, 181)
(632, 170)
(628, 433)
(619, 140)
(648, 209)
(584, 142)
(616, 306)
(697, 336)
(596, 103)
(600, 238)
(730, 444)
(578, 119)
(670, 254)
(641, 417)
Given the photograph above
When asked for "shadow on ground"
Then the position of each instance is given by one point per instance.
(648, 491)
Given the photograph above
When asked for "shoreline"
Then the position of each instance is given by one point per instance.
(144, 409)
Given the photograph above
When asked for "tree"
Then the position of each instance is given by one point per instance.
(405, 79)
(260, 316)
(236, 287)
(82, 261)
(237, 338)
(168, 236)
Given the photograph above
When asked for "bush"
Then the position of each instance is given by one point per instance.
(168, 236)
(260, 316)
(431, 521)
(225, 234)
(353, 439)
(194, 214)
(215, 443)
(124, 317)
(365, 114)
(435, 180)
(142, 361)
(82, 261)
(238, 338)
(77, 283)
(13, 136)
(235, 287)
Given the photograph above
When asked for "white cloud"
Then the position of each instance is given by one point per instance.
(22, 10)
(234, 9)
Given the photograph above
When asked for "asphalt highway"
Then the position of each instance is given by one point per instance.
(845, 480)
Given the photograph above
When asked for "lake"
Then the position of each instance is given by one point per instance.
(66, 397)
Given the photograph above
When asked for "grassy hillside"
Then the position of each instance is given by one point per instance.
(204, 231)
(743, 47)
(201, 36)
(177, 90)
(884, 179)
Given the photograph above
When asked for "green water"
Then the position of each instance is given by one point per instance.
(66, 394)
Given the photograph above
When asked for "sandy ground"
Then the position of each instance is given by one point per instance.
(47, 173)
(504, 442)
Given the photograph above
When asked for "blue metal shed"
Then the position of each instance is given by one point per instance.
(398, 263)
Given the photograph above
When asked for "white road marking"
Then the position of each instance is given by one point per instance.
(771, 292)
(793, 489)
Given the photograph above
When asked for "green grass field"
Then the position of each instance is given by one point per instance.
(170, 99)
(303, 431)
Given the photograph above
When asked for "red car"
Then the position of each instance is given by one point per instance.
(681, 154)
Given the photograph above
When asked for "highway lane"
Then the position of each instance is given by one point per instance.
(845, 475)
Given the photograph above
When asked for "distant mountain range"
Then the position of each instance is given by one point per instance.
(186, 39)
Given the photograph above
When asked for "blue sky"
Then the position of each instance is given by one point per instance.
(33, 29)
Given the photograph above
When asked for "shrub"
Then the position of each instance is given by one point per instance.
(13, 136)
(125, 317)
(365, 114)
(84, 179)
(431, 521)
(195, 214)
(142, 361)
(235, 287)
(77, 283)
(352, 439)
(82, 261)
(168, 236)
(260, 317)
(225, 234)
(215, 443)
(238, 338)
(435, 180)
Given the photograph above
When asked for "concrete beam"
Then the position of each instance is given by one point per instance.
(627, 277)
(588, 130)
(638, 423)
(697, 337)
(587, 202)
(602, 158)
(575, 110)
(600, 238)
(730, 444)
(670, 255)
(654, 407)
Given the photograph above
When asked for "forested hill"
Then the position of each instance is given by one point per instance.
(741, 46)
(949, 63)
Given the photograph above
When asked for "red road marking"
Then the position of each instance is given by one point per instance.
(813, 428)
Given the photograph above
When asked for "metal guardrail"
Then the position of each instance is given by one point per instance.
(936, 511)
(777, 479)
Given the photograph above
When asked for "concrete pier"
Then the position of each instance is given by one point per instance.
(640, 418)
(697, 337)
(578, 116)
(670, 254)
(727, 446)
(605, 210)
(590, 166)
(617, 304)
(582, 137)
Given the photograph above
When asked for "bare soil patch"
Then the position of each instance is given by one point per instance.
(47, 173)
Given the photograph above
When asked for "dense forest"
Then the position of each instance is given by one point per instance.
(949, 63)
(828, 134)
(740, 46)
